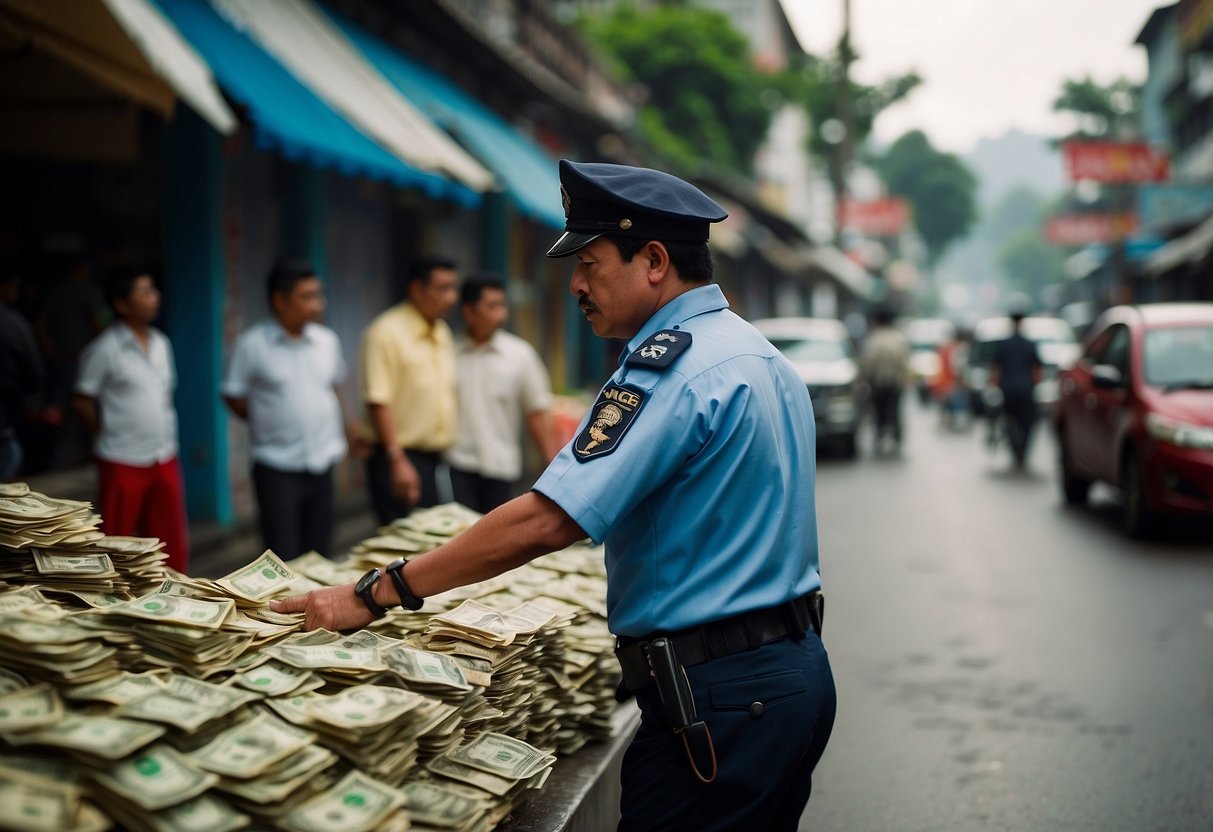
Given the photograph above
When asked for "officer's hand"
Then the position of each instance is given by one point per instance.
(334, 608)
(406, 482)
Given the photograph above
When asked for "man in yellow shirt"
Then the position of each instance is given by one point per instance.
(408, 384)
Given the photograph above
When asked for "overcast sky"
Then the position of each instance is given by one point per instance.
(987, 65)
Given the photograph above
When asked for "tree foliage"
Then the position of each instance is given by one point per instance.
(1111, 111)
(703, 97)
(941, 189)
(815, 83)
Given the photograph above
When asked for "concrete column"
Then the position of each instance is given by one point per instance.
(193, 284)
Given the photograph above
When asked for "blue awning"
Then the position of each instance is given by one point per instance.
(531, 178)
(287, 116)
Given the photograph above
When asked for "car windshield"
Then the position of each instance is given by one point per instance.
(1179, 357)
(811, 349)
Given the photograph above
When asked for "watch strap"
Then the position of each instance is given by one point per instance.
(365, 589)
(408, 599)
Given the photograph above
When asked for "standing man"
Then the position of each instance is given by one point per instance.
(283, 380)
(21, 374)
(408, 384)
(696, 467)
(502, 384)
(124, 395)
(1015, 371)
(884, 363)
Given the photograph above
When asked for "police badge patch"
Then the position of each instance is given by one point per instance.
(660, 350)
(610, 418)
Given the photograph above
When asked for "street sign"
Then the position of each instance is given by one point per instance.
(1084, 229)
(1115, 162)
(877, 217)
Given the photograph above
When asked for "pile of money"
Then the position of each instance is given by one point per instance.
(133, 695)
(56, 545)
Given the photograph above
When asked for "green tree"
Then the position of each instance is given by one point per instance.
(703, 97)
(940, 188)
(1101, 110)
(1030, 263)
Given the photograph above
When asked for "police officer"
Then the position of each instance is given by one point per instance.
(696, 468)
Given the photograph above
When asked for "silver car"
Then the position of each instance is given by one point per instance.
(824, 355)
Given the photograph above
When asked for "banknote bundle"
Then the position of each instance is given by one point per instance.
(56, 544)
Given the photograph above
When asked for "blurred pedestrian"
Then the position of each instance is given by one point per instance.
(124, 395)
(502, 384)
(696, 469)
(408, 385)
(948, 386)
(283, 380)
(884, 363)
(1015, 371)
(21, 373)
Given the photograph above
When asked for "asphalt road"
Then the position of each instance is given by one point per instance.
(1003, 662)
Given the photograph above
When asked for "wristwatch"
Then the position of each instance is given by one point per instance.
(408, 599)
(364, 590)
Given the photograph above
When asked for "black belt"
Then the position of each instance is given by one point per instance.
(723, 638)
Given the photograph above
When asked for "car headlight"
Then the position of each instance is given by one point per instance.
(1182, 434)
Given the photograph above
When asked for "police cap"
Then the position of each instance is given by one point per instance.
(625, 201)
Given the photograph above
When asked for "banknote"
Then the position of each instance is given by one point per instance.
(437, 806)
(272, 678)
(36, 806)
(362, 706)
(110, 738)
(30, 708)
(178, 610)
(157, 777)
(426, 668)
(252, 747)
(503, 756)
(265, 576)
(61, 564)
(119, 689)
(356, 804)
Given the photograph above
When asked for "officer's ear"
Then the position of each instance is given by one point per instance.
(657, 260)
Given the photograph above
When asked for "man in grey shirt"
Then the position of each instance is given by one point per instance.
(283, 380)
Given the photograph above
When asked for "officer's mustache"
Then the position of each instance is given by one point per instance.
(587, 306)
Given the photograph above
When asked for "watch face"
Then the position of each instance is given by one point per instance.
(366, 581)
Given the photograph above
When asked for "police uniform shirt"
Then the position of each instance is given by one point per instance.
(701, 482)
(134, 387)
(294, 415)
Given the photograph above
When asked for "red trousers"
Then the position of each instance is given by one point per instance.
(146, 501)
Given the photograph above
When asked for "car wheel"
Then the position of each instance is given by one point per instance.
(1074, 489)
(1139, 521)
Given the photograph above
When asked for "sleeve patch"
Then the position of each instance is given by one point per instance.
(660, 350)
(610, 418)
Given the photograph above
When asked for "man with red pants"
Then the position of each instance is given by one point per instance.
(124, 395)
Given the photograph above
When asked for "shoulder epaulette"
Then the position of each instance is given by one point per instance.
(660, 350)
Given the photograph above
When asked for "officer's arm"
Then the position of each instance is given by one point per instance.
(509, 536)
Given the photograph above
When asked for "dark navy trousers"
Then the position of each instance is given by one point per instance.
(770, 712)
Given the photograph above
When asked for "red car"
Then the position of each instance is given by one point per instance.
(1136, 411)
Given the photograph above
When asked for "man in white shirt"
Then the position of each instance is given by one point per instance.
(124, 395)
(502, 384)
(283, 379)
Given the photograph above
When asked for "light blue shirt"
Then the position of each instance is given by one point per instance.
(134, 388)
(294, 415)
(706, 503)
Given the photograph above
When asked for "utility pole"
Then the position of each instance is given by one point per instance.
(845, 148)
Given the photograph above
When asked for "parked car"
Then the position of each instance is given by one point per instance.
(1136, 411)
(926, 336)
(1055, 343)
(823, 353)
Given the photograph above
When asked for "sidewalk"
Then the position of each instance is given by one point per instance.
(216, 550)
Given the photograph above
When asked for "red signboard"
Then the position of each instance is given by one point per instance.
(1115, 162)
(877, 218)
(1083, 229)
